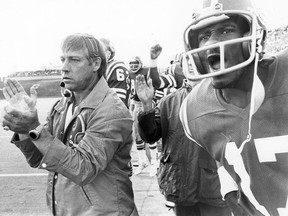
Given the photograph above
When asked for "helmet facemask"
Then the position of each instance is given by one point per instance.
(135, 64)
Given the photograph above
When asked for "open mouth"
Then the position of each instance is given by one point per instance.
(214, 61)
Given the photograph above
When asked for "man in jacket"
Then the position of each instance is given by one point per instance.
(85, 143)
(187, 175)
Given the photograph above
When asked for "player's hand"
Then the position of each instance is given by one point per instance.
(144, 91)
(155, 51)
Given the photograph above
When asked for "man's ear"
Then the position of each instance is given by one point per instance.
(96, 64)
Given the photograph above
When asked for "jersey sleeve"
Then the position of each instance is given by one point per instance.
(161, 81)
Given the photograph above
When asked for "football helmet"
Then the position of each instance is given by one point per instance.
(109, 48)
(135, 64)
(216, 11)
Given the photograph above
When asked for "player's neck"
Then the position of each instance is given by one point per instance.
(236, 97)
(239, 93)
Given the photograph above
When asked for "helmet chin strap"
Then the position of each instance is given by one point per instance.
(257, 92)
(257, 97)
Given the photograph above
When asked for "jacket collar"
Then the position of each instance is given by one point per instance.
(95, 97)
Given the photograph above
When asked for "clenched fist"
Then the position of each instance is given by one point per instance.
(155, 51)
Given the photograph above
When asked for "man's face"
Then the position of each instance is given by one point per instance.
(220, 32)
(78, 72)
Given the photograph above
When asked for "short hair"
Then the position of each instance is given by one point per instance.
(94, 48)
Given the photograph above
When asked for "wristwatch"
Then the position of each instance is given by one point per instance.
(35, 133)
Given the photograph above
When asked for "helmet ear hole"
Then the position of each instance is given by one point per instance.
(246, 47)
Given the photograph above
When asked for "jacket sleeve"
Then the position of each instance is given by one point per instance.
(108, 132)
(149, 125)
(29, 150)
(162, 81)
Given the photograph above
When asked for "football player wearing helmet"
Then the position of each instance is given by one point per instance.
(187, 174)
(238, 113)
(117, 74)
(135, 64)
(136, 68)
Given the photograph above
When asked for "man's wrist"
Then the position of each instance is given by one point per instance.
(143, 113)
(153, 62)
(19, 137)
(147, 107)
(35, 133)
(23, 136)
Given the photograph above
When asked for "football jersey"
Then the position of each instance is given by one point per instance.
(117, 77)
(260, 168)
(176, 71)
(159, 94)
(143, 71)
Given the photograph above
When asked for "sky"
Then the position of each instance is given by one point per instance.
(32, 30)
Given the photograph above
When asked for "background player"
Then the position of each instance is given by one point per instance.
(136, 68)
(117, 74)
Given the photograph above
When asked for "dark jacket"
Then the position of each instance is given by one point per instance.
(187, 173)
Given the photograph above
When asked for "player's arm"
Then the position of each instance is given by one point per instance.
(149, 126)
(159, 81)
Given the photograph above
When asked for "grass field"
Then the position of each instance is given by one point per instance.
(22, 188)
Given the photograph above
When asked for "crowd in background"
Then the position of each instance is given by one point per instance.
(46, 72)
(277, 40)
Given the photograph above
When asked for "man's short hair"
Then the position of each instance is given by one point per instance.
(91, 44)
